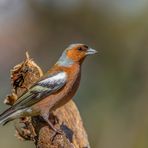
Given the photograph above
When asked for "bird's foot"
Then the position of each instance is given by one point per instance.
(55, 133)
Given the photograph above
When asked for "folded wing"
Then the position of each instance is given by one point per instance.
(48, 85)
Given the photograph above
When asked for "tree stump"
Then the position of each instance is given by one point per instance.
(65, 118)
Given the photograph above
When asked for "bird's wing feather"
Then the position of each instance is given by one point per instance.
(41, 89)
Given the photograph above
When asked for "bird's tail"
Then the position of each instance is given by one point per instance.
(7, 116)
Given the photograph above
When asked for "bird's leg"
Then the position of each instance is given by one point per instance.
(56, 131)
(46, 118)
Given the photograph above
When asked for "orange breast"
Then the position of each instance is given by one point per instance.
(66, 93)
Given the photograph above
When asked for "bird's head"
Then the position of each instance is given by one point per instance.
(75, 53)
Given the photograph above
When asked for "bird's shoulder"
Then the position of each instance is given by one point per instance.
(57, 76)
(52, 78)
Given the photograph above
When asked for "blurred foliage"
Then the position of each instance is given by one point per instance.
(113, 94)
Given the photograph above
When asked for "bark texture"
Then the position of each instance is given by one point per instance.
(65, 118)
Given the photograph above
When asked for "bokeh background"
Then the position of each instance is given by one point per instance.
(113, 97)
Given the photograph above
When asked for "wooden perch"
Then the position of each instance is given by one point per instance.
(65, 118)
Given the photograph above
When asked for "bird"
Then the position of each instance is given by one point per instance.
(52, 90)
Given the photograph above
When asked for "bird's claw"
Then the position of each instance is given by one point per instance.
(56, 131)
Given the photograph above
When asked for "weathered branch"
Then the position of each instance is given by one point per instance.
(66, 118)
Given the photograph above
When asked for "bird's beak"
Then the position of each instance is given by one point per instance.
(91, 51)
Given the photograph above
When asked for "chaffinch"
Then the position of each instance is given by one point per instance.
(52, 90)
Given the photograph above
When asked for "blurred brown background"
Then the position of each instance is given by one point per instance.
(113, 97)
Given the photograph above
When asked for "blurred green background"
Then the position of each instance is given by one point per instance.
(113, 96)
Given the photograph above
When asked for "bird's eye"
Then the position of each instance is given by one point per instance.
(80, 49)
